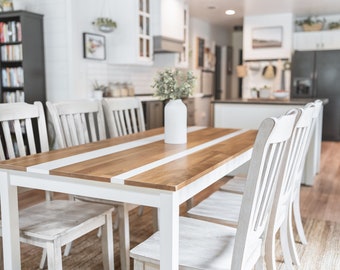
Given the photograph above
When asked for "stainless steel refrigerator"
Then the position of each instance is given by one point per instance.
(316, 74)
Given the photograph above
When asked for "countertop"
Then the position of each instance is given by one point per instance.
(297, 101)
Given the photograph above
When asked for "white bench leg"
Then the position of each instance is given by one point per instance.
(124, 237)
(54, 258)
(107, 243)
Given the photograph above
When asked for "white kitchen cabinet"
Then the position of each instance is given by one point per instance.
(131, 42)
(318, 40)
(183, 57)
(167, 25)
(167, 19)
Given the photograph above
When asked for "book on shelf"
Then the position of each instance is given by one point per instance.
(13, 96)
(10, 32)
(12, 77)
(11, 52)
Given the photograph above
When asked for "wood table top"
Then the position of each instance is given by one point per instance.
(142, 159)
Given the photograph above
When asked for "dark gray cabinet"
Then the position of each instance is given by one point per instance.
(153, 112)
(22, 63)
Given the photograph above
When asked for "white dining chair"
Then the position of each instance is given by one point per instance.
(237, 184)
(213, 208)
(282, 206)
(295, 205)
(78, 122)
(124, 115)
(208, 245)
(66, 220)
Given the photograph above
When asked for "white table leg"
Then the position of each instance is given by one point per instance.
(169, 229)
(10, 223)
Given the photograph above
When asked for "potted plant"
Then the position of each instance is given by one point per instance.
(311, 23)
(173, 85)
(334, 25)
(6, 5)
(98, 90)
(105, 24)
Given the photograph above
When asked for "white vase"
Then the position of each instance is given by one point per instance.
(175, 122)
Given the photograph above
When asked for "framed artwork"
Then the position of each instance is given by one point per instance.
(267, 37)
(94, 46)
(200, 53)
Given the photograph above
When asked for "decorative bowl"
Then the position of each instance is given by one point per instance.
(281, 94)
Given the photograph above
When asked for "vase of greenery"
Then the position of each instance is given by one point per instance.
(173, 85)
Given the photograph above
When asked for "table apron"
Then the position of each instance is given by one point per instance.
(89, 188)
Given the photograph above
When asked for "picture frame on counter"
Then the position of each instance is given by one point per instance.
(94, 46)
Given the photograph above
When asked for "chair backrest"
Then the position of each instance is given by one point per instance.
(18, 135)
(298, 146)
(77, 122)
(266, 166)
(123, 115)
(299, 169)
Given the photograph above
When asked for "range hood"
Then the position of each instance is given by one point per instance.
(162, 44)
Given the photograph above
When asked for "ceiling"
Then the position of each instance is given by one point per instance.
(213, 10)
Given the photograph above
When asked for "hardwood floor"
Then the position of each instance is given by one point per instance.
(322, 200)
(319, 203)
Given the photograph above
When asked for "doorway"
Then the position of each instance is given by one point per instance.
(218, 88)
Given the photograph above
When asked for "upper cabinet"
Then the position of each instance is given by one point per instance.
(183, 56)
(167, 25)
(168, 21)
(131, 42)
(318, 40)
(145, 27)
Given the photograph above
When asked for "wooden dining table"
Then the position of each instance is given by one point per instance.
(139, 169)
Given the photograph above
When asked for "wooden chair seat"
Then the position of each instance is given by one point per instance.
(235, 184)
(217, 201)
(60, 219)
(202, 245)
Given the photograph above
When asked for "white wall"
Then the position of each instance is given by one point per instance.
(254, 78)
(68, 74)
(285, 20)
(212, 36)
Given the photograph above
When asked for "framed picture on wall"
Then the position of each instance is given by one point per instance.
(94, 46)
(267, 37)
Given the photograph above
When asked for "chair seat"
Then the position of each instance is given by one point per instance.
(202, 245)
(50, 220)
(108, 202)
(236, 184)
(220, 207)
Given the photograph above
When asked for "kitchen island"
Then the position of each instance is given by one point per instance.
(249, 113)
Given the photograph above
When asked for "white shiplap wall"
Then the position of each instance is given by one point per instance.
(68, 74)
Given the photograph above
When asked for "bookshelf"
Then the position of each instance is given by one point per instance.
(22, 63)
